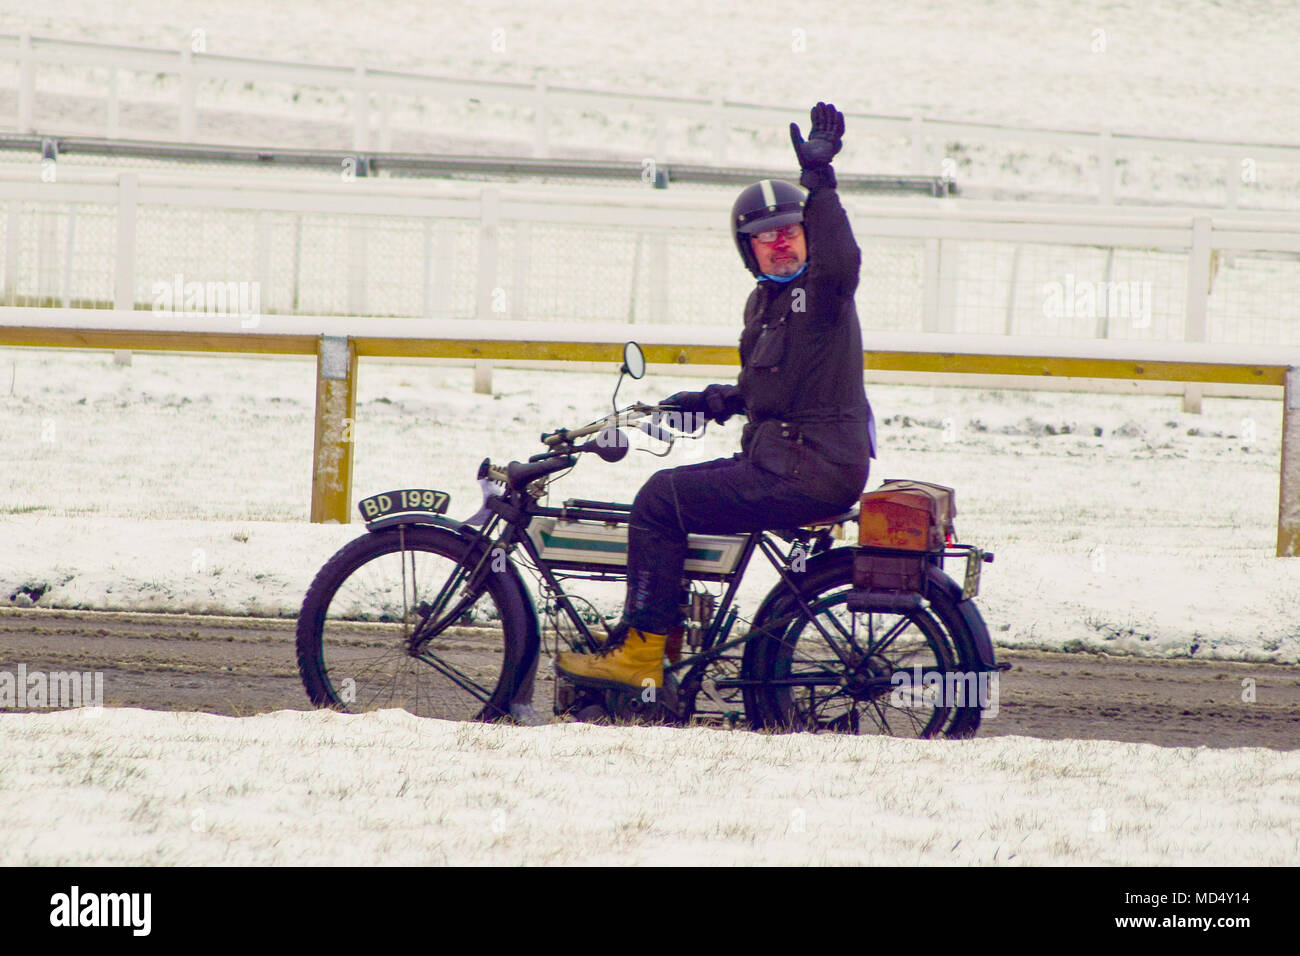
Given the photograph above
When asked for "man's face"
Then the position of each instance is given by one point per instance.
(780, 252)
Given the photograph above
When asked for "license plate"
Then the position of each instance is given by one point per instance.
(403, 500)
(974, 561)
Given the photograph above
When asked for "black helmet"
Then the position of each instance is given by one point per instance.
(768, 204)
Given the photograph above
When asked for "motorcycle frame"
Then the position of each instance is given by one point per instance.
(512, 513)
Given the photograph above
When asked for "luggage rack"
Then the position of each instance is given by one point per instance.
(901, 572)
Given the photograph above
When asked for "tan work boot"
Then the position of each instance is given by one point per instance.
(672, 647)
(619, 664)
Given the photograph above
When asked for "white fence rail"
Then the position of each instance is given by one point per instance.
(459, 251)
(663, 127)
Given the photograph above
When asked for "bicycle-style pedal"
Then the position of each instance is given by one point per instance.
(649, 705)
(601, 704)
(579, 701)
(567, 697)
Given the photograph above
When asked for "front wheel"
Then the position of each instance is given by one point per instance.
(358, 644)
(860, 672)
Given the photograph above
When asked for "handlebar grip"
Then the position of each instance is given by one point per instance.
(490, 471)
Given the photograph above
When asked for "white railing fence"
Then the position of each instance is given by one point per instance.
(157, 93)
(462, 251)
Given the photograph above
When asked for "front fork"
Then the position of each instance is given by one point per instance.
(432, 620)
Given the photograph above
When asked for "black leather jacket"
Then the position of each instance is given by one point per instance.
(801, 366)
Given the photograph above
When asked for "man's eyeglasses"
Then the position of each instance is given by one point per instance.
(768, 236)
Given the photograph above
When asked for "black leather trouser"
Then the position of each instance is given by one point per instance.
(725, 496)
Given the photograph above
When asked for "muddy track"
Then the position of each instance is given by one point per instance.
(241, 666)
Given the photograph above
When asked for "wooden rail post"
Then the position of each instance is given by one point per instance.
(336, 408)
(1288, 509)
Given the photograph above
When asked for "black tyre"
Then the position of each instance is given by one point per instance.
(802, 684)
(354, 631)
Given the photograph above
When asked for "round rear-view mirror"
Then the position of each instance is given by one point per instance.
(633, 360)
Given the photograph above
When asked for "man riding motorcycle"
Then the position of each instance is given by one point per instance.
(804, 451)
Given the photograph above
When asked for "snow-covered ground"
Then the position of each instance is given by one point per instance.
(182, 483)
(130, 787)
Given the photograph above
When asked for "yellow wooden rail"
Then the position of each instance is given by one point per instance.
(551, 351)
(337, 373)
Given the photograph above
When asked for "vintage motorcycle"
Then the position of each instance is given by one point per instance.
(433, 615)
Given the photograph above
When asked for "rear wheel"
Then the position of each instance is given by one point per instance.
(356, 646)
(896, 673)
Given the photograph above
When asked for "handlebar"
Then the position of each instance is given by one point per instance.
(622, 417)
(560, 443)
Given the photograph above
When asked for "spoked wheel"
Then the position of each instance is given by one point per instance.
(895, 674)
(359, 645)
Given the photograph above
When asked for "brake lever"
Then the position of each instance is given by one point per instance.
(543, 456)
(654, 431)
(693, 417)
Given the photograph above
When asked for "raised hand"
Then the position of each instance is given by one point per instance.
(825, 137)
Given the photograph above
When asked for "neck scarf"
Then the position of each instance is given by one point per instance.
(784, 279)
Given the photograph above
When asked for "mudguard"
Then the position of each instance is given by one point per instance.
(417, 517)
(970, 615)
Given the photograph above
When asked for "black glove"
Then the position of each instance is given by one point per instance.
(691, 402)
(825, 139)
(723, 401)
(717, 402)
